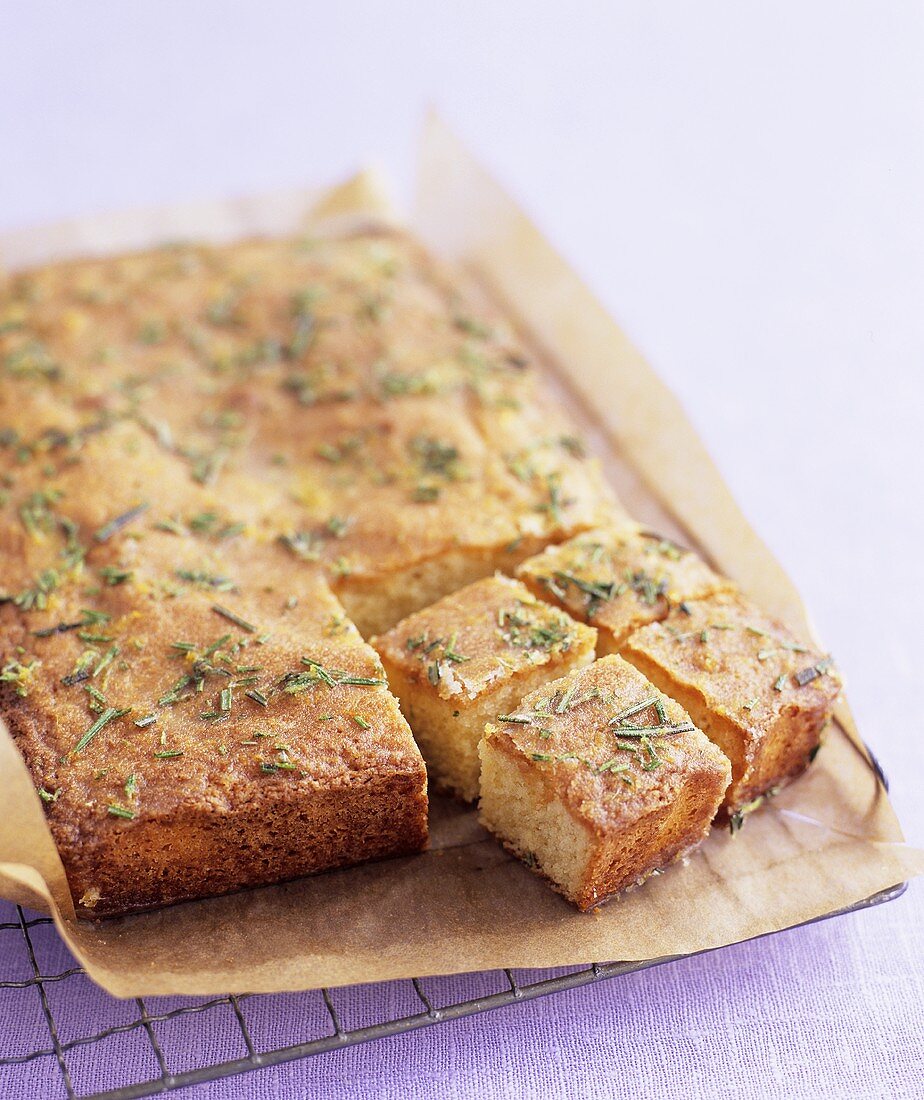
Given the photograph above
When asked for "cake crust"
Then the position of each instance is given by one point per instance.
(188, 741)
(628, 801)
(466, 658)
(619, 578)
(762, 695)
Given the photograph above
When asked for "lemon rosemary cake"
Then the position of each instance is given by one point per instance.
(467, 658)
(598, 780)
(222, 468)
(756, 690)
(619, 578)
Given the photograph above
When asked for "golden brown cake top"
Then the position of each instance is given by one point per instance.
(747, 666)
(381, 416)
(484, 634)
(612, 745)
(155, 705)
(159, 655)
(620, 577)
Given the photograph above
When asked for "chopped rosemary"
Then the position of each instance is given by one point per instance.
(89, 618)
(565, 700)
(736, 818)
(19, 675)
(108, 715)
(98, 701)
(120, 811)
(115, 525)
(81, 670)
(614, 765)
(216, 645)
(556, 502)
(597, 591)
(242, 624)
(207, 467)
(106, 660)
(654, 731)
(172, 695)
(281, 763)
(205, 580)
(636, 708)
(654, 761)
(524, 630)
(807, 675)
(450, 653)
(35, 597)
(295, 682)
(472, 327)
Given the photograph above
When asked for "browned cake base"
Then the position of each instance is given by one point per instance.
(212, 850)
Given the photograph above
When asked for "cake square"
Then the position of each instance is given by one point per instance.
(598, 780)
(619, 578)
(469, 657)
(755, 689)
(196, 709)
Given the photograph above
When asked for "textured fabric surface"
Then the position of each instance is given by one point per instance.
(741, 185)
(829, 1010)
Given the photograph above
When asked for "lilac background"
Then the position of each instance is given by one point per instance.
(806, 1013)
(740, 183)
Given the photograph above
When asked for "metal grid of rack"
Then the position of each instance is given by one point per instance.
(147, 1049)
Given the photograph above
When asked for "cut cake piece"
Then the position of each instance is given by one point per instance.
(619, 578)
(470, 656)
(598, 780)
(758, 692)
(196, 710)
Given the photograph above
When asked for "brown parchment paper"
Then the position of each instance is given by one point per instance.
(826, 842)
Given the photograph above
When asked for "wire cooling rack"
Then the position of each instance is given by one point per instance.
(145, 1047)
(149, 1046)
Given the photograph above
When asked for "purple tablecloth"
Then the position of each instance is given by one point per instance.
(833, 1009)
